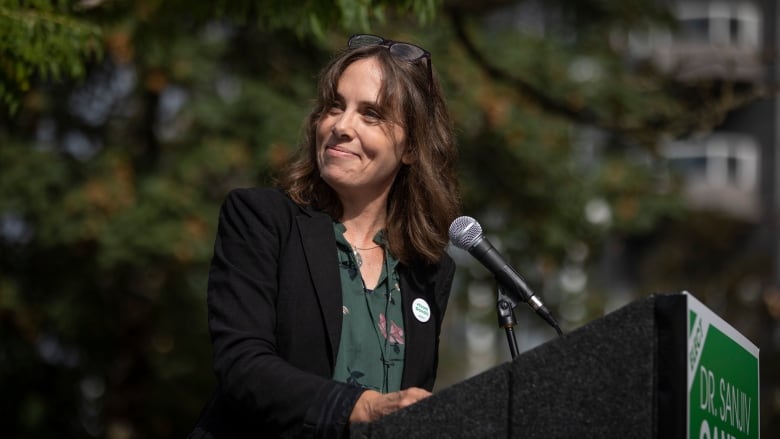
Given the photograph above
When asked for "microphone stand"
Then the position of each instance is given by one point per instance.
(506, 319)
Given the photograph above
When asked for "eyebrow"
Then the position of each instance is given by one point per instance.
(339, 97)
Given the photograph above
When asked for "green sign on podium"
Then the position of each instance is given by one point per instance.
(723, 383)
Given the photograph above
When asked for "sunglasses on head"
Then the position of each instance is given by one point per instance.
(404, 51)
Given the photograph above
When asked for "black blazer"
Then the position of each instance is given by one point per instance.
(275, 314)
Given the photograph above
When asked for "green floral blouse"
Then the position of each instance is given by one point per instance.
(371, 351)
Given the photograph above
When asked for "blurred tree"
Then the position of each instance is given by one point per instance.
(129, 121)
(112, 171)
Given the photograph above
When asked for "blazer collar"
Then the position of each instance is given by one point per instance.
(319, 248)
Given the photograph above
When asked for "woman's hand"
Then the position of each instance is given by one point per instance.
(372, 405)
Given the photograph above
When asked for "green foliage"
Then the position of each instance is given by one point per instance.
(54, 40)
(42, 40)
(317, 17)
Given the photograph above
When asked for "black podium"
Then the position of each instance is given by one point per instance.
(621, 376)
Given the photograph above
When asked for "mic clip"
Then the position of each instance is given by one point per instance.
(505, 308)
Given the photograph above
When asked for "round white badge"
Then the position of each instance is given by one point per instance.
(421, 310)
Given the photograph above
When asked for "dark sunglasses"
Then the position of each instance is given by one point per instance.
(404, 51)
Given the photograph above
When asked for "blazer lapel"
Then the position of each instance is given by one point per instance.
(319, 247)
(420, 335)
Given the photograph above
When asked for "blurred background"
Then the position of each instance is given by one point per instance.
(611, 149)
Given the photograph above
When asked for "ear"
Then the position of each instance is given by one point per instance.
(409, 157)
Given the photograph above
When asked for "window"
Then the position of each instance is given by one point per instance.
(719, 160)
(719, 22)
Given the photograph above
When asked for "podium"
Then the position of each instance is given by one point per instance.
(662, 367)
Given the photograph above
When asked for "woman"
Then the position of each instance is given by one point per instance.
(326, 296)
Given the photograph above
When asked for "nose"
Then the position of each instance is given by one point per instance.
(343, 125)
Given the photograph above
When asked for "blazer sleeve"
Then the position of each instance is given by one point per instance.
(254, 226)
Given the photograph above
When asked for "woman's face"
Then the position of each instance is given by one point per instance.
(359, 149)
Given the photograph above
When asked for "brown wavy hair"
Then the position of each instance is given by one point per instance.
(425, 197)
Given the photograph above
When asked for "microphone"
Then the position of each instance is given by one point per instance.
(466, 233)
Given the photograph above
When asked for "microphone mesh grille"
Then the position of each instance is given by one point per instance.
(464, 232)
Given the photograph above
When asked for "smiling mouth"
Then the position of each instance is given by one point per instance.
(339, 150)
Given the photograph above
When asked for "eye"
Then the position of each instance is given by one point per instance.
(372, 114)
(334, 107)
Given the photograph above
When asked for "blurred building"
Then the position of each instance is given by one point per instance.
(719, 42)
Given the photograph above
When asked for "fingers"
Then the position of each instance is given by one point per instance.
(410, 396)
(373, 405)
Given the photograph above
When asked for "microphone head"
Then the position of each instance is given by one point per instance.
(465, 231)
